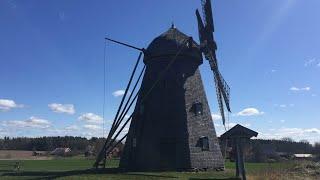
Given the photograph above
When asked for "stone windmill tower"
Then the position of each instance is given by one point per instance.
(171, 126)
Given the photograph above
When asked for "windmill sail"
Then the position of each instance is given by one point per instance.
(209, 47)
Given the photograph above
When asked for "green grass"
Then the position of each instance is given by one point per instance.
(70, 168)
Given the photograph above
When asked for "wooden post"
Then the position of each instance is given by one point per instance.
(240, 161)
(237, 157)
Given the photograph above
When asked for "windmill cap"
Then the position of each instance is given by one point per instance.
(170, 44)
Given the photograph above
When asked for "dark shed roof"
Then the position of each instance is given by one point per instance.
(239, 131)
(170, 43)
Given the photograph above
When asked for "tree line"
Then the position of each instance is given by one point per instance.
(287, 145)
(80, 144)
(50, 143)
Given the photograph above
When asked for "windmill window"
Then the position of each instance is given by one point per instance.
(204, 143)
(198, 110)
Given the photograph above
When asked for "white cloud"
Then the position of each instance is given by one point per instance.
(91, 118)
(284, 105)
(92, 127)
(8, 104)
(273, 70)
(294, 89)
(247, 125)
(312, 130)
(118, 93)
(62, 108)
(249, 112)
(72, 128)
(282, 121)
(305, 89)
(231, 125)
(32, 122)
(300, 89)
(310, 62)
(216, 116)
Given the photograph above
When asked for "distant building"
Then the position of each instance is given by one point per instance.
(37, 153)
(302, 156)
(61, 151)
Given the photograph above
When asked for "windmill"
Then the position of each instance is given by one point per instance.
(171, 125)
(208, 47)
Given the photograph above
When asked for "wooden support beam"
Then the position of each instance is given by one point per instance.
(240, 172)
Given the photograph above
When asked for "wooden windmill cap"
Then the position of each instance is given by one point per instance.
(167, 45)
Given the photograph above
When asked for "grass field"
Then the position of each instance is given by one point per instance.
(71, 168)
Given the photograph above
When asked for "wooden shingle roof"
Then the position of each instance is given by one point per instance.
(239, 131)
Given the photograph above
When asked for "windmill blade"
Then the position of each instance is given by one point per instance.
(208, 48)
(207, 13)
(200, 29)
(224, 89)
(206, 30)
(220, 102)
(221, 83)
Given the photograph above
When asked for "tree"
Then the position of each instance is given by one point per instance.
(287, 139)
(316, 149)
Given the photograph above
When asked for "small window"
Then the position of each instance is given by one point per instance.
(198, 108)
(204, 143)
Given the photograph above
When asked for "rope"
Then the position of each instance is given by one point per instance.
(104, 86)
(102, 154)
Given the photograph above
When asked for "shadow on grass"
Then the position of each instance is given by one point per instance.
(213, 178)
(39, 175)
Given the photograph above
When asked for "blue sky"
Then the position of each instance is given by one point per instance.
(51, 55)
